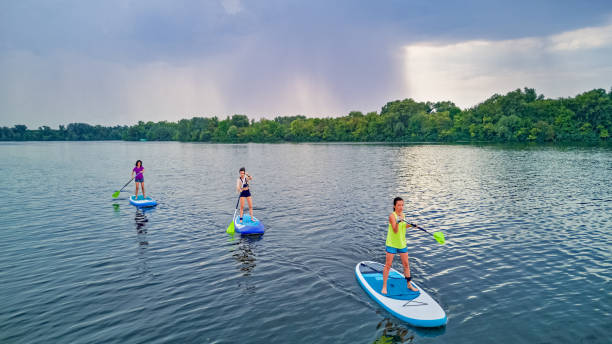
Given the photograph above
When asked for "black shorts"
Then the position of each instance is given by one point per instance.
(245, 193)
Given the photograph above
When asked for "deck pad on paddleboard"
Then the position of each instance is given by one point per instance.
(397, 287)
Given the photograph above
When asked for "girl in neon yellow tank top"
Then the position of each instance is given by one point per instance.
(396, 243)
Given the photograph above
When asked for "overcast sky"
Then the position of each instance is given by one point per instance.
(117, 62)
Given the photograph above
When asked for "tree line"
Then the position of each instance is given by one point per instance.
(518, 116)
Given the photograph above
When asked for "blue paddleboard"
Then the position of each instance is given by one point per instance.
(142, 202)
(248, 225)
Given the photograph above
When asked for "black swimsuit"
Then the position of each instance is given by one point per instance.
(245, 193)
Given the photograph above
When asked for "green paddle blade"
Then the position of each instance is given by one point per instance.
(231, 237)
(116, 194)
(230, 229)
(439, 236)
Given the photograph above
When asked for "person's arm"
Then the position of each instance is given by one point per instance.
(393, 222)
(141, 172)
(248, 179)
(132, 173)
(239, 185)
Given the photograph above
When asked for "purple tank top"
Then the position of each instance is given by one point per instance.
(138, 170)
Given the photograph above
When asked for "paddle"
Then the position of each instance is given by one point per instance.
(230, 229)
(116, 193)
(439, 236)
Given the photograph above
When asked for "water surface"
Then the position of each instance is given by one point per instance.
(528, 256)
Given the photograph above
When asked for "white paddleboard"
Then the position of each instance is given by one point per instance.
(416, 308)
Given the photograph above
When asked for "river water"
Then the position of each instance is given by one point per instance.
(528, 257)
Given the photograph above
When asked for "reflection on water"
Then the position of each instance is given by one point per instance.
(395, 331)
(141, 221)
(536, 217)
(244, 253)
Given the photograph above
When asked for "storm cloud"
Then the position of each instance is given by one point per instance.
(118, 62)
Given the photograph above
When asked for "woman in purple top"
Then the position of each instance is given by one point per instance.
(139, 170)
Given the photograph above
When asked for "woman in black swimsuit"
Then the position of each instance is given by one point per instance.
(242, 186)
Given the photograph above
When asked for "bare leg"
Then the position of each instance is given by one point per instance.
(388, 261)
(250, 200)
(241, 208)
(406, 264)
(143, 192)
(136, 192)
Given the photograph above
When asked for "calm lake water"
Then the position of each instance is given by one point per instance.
(528, 257)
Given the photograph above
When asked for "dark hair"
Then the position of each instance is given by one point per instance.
(242, 169)
(138, 161)
(395, 200)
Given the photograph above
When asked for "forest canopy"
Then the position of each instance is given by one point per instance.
(518, 116)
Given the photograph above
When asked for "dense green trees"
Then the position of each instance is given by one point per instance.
(518, 116)
(73, 132)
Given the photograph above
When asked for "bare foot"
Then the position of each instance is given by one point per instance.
(411, 287)
(384, 291)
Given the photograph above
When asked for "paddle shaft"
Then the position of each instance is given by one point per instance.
(439, 236)
(126, 184)
(238, 201)
(424, 230)
(413, 225)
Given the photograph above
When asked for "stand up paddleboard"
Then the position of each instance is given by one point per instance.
(248, 225)
(142, 202)
(416, 308)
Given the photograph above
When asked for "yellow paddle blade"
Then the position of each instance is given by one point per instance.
(439, 236)
(230, 229)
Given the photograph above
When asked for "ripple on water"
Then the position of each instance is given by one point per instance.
(527, 257)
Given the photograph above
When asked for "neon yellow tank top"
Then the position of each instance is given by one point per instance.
(397, 240)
